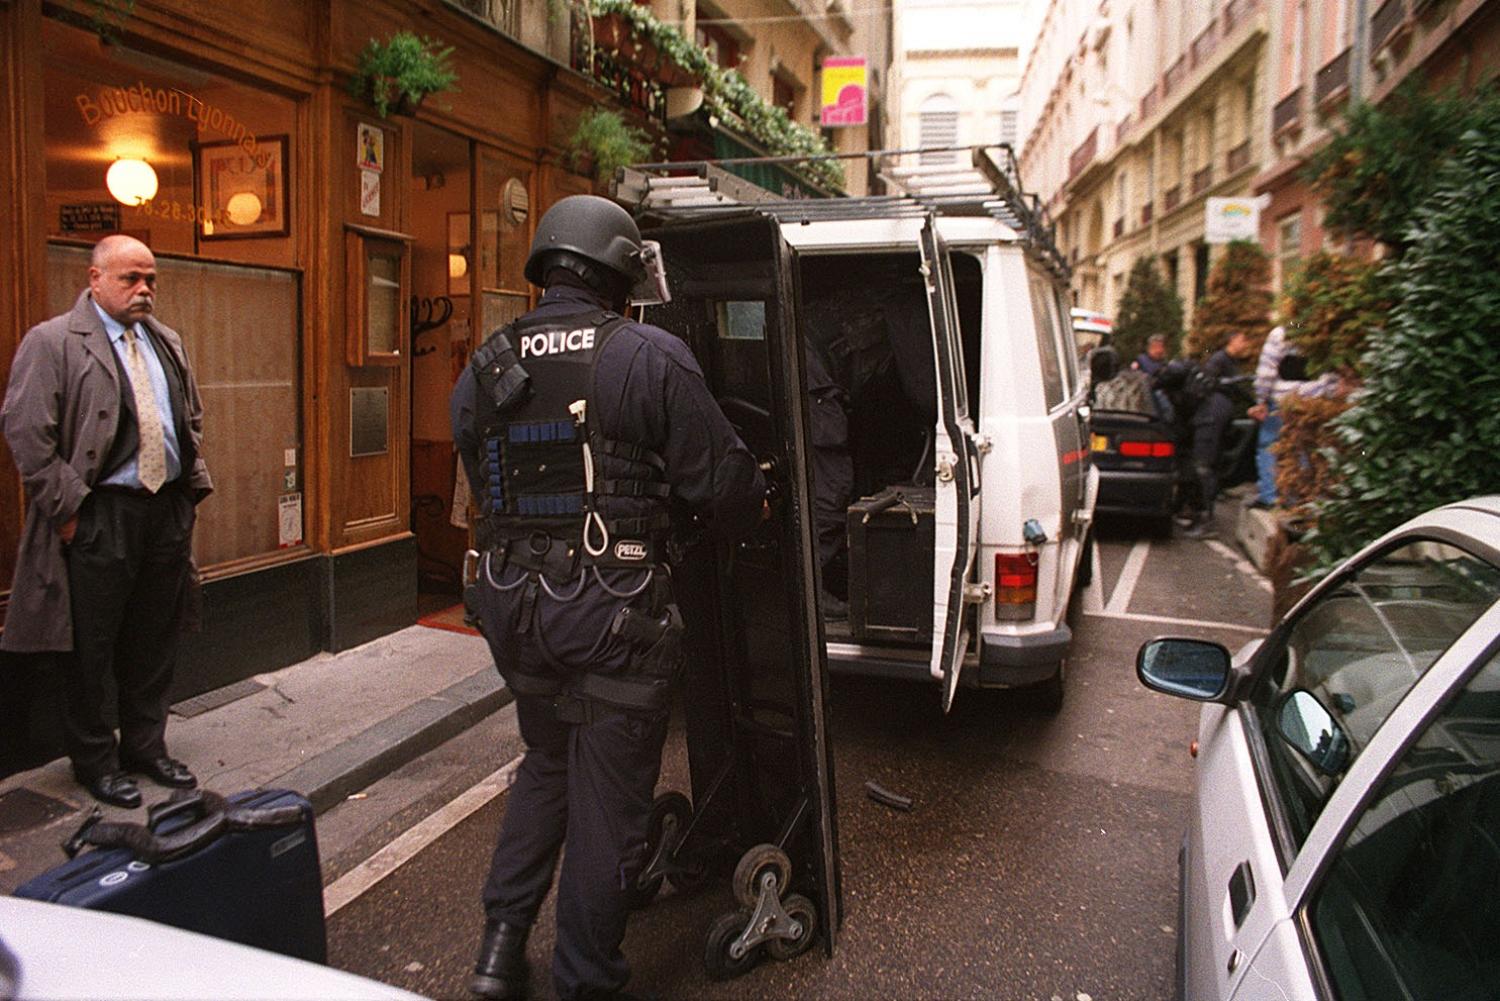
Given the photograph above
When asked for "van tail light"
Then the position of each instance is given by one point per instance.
(1147, 449)
(1015, 585)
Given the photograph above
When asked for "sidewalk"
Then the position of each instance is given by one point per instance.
(325, 727)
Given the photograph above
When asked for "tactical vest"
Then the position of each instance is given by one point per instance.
(546, 468)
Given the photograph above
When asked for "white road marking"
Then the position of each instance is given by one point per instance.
(1119, 598)
(1241, 564)
(1170, 621)
(393, 856)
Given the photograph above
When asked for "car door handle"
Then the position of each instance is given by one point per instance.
(1241, 893)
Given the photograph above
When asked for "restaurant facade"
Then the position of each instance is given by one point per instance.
(328, 268)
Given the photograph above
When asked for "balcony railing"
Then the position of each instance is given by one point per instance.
(1288, 111)
(1173, 77)
(1332, 78)
(1120, 227)
(1236, 11)
(1172, 198)
(1203, 45)
(1084, 154)
(1238, 158)
(1388, 17)
(1202, 178)
(503, 14)
(1149, 102)
(1146, 214)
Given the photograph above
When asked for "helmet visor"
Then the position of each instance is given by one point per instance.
(651, 289)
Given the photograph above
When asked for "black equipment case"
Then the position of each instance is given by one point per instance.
(891, 538)
(243, 869)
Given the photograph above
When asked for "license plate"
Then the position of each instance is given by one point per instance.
(1099, 443)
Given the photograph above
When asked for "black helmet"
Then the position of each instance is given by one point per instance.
(590, 236)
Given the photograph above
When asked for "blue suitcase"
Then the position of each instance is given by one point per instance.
(243, 869)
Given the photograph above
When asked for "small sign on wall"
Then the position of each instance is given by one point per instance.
(89, 217)
(369, 192)
(289, 509)
(371, 152)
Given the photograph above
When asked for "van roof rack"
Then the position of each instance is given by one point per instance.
(988, 185)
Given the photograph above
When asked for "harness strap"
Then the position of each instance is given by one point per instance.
(632, 488)
(624, 693)
(631, 453)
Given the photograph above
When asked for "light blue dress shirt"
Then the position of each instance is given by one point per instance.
(127, 475)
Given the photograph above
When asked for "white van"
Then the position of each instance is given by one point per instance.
(942, 316)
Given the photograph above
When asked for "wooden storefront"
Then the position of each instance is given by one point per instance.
(328, 269)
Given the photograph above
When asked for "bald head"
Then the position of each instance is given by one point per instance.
(122, 278)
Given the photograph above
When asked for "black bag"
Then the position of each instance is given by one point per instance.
(891, 542)
(243, 869)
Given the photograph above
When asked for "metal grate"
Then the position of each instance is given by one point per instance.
(199, 704)
(22, 809)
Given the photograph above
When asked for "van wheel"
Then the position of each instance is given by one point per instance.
(1047, 696)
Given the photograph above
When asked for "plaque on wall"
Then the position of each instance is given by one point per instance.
(89, 217)
(369, 421)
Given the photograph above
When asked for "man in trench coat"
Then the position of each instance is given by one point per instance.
(104, 568)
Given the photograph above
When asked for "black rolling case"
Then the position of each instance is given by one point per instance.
(891, 542)
(243, 869)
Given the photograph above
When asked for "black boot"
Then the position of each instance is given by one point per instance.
(501, 972)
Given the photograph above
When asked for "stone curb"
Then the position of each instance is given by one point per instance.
(328, 779)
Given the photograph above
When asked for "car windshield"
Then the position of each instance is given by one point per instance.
(1359, 649)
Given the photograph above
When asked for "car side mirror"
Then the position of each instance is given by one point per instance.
(1310, 728)
(1191, 669)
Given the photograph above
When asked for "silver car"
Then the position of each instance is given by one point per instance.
(1344, 839)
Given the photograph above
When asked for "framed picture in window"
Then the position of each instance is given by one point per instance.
(241, 188)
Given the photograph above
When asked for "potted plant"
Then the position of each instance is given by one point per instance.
(602, 140)
(396, 75)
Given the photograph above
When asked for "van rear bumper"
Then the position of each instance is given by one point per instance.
(1025, 659)
(1005, 660)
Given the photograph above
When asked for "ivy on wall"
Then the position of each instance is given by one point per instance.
(729, 97)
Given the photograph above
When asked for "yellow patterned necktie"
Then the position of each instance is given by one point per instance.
(151, 460)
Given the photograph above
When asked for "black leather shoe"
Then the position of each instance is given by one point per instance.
(115, 788)
(164, 771)
(501, 974)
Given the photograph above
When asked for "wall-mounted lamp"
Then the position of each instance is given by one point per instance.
(131, 182)
(243, 208)
(458, 265)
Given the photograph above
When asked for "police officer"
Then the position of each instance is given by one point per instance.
(584, 434)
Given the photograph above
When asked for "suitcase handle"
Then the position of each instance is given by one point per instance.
(886, 503)
(180, 803)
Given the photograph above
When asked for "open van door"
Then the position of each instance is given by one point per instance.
(756, 695)
(957, 475)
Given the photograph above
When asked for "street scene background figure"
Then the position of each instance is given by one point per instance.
(103, 417)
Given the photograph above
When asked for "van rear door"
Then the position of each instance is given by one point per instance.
(756, 697)
(957, 473)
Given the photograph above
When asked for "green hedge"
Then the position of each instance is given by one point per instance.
(1425, 429)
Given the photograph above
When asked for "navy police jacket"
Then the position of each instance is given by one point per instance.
(649, 391)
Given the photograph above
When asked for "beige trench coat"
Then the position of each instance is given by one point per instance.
(61, 410)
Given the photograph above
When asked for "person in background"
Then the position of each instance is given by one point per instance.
(1208, 423)
(1154, 357)
(1279, 373)
(104, 420)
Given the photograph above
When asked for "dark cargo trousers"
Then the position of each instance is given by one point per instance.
(129, 569)
(589, 787)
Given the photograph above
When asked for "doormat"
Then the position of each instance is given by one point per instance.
(22, 809)
(188, 708)
(451, 619)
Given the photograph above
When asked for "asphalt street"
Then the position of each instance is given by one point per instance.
(1038, 860)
